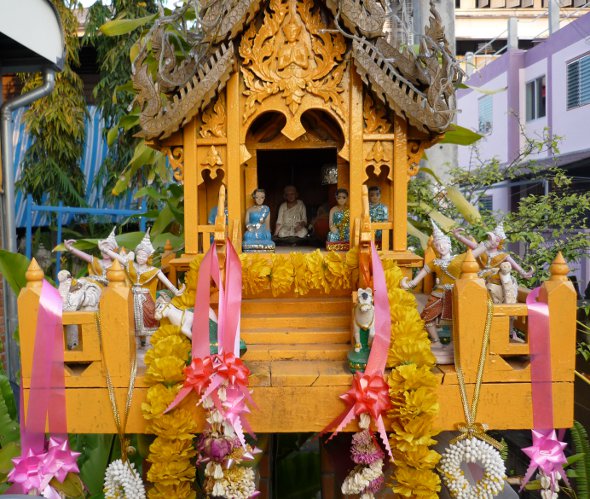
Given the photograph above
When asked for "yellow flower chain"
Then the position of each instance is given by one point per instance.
(413, 391)
(412, 384)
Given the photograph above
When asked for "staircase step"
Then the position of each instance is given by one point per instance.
(290, 336)
(308, 321)
(297, 305)
(310, 373)
(302, 351)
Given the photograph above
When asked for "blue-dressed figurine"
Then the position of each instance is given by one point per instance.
(377, 210)
(257, 237)
(338, 238)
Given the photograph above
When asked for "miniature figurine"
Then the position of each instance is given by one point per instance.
(339, 236)
(292, 219)
(493, 257)
(363, 330)
(257, 237)
(447, 268)
(143, 285)
(377, 210)
(496, 266)
(97, 268)
(77, 294)
(184, 320)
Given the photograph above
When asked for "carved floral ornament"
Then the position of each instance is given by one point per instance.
(291, 55)
(213, 119)
(176, 158)
(379, 155)
(375, 116)
(212, 163)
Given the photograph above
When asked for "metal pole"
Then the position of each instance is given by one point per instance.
(512, 33)
(59, 238)
(29, 227)
(553, 16)
(9, 241)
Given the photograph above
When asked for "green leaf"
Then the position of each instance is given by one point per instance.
(165, 218)
(150, 192)
(13, 267)
(467, 210)
(72, 486)
(422, 237)
(485, 91)
(112, 135)
(129, 121)
(8, 396)
(444, 222)
(9, 428)
(118, 27)
(7, 453)
(460, 135)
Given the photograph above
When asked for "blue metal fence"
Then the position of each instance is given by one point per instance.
(61, 211)
(95, 150)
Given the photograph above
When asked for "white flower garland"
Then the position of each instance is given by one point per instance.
(122, 481)
(472, 450)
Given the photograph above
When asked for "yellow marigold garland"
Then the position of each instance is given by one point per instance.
(412, 384)
(412, 387)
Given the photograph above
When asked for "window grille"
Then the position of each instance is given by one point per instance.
(485, 107)
(578, 82)
(486, 203)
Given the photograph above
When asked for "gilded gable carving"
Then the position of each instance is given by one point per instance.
(291, 55)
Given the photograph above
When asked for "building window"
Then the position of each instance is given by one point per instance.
(485, 114)
(535, 99)
(578, 82)
(486, 203)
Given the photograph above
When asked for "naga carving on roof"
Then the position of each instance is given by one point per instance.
(420, 86)
(365, 17)
(291, 51)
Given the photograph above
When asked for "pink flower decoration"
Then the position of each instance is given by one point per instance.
(27, 471)
(60, 459)
(546, 454)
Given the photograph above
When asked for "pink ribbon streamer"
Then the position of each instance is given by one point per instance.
(230, 340)
(369, 392)
(207, 373)
(546, 453)
(39, 464)
(208, 270)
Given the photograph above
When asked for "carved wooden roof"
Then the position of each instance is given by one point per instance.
(418, 86)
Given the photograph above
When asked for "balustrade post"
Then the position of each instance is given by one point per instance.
(28, 309)
(470, 298)
(117, 325)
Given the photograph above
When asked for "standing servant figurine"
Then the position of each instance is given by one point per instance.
(97, 268)
(339, 236)
(377, 210)
(144, 281)
(439, 308)
(257, 237)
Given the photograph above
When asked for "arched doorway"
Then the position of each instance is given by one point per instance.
(310, 163)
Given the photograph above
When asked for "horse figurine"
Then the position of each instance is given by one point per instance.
(363, 330)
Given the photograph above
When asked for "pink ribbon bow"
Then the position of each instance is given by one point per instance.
(369, 393)
(33, 472)
(547, 455)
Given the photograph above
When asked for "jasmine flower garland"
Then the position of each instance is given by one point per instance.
(122, 480)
